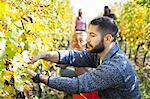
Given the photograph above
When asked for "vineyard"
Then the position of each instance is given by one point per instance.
(134, 39)
(26, 28)
(31, 26)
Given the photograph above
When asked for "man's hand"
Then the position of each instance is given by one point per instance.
(32, 73)
(35, 76)
(34, 59)
(52, 56)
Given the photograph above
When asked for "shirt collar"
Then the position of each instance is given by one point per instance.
(112, 51)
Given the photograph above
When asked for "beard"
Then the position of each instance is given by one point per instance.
(98, 48)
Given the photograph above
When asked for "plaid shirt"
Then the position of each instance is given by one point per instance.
(113, 78)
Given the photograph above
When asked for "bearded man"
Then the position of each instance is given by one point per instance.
(113, 77)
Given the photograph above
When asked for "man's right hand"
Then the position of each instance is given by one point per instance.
(34, 59)
(52, 56)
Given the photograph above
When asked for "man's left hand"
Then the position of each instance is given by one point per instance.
(36, 77)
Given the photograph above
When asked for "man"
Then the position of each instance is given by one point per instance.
(113, 76)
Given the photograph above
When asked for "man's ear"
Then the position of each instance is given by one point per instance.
(108, 38)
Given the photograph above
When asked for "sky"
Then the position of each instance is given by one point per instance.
(91, 8)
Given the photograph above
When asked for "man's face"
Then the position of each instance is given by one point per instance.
(95, 42)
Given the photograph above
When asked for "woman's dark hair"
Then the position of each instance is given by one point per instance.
(107, 11)
(80, 12)
(106, 26)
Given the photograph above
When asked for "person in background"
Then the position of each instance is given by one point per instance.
(80, 30)
(113, 77)
(78, 42)
(108, 13)
(79, 38)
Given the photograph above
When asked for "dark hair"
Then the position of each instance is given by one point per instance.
(106, 26)
(80, 12)
(106, 7)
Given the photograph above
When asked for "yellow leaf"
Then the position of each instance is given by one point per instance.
(46, 65)
(13, 14)
(4, 7)
(7, 75)
(9, 89)
(36, 27)
(145, 47)
(32, 66)
(27, 88)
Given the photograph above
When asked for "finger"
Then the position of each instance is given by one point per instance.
(32, 60)
(32, 73)
(29, 71)
(31, 57)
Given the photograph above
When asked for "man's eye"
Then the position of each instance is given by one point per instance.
(92, 35)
